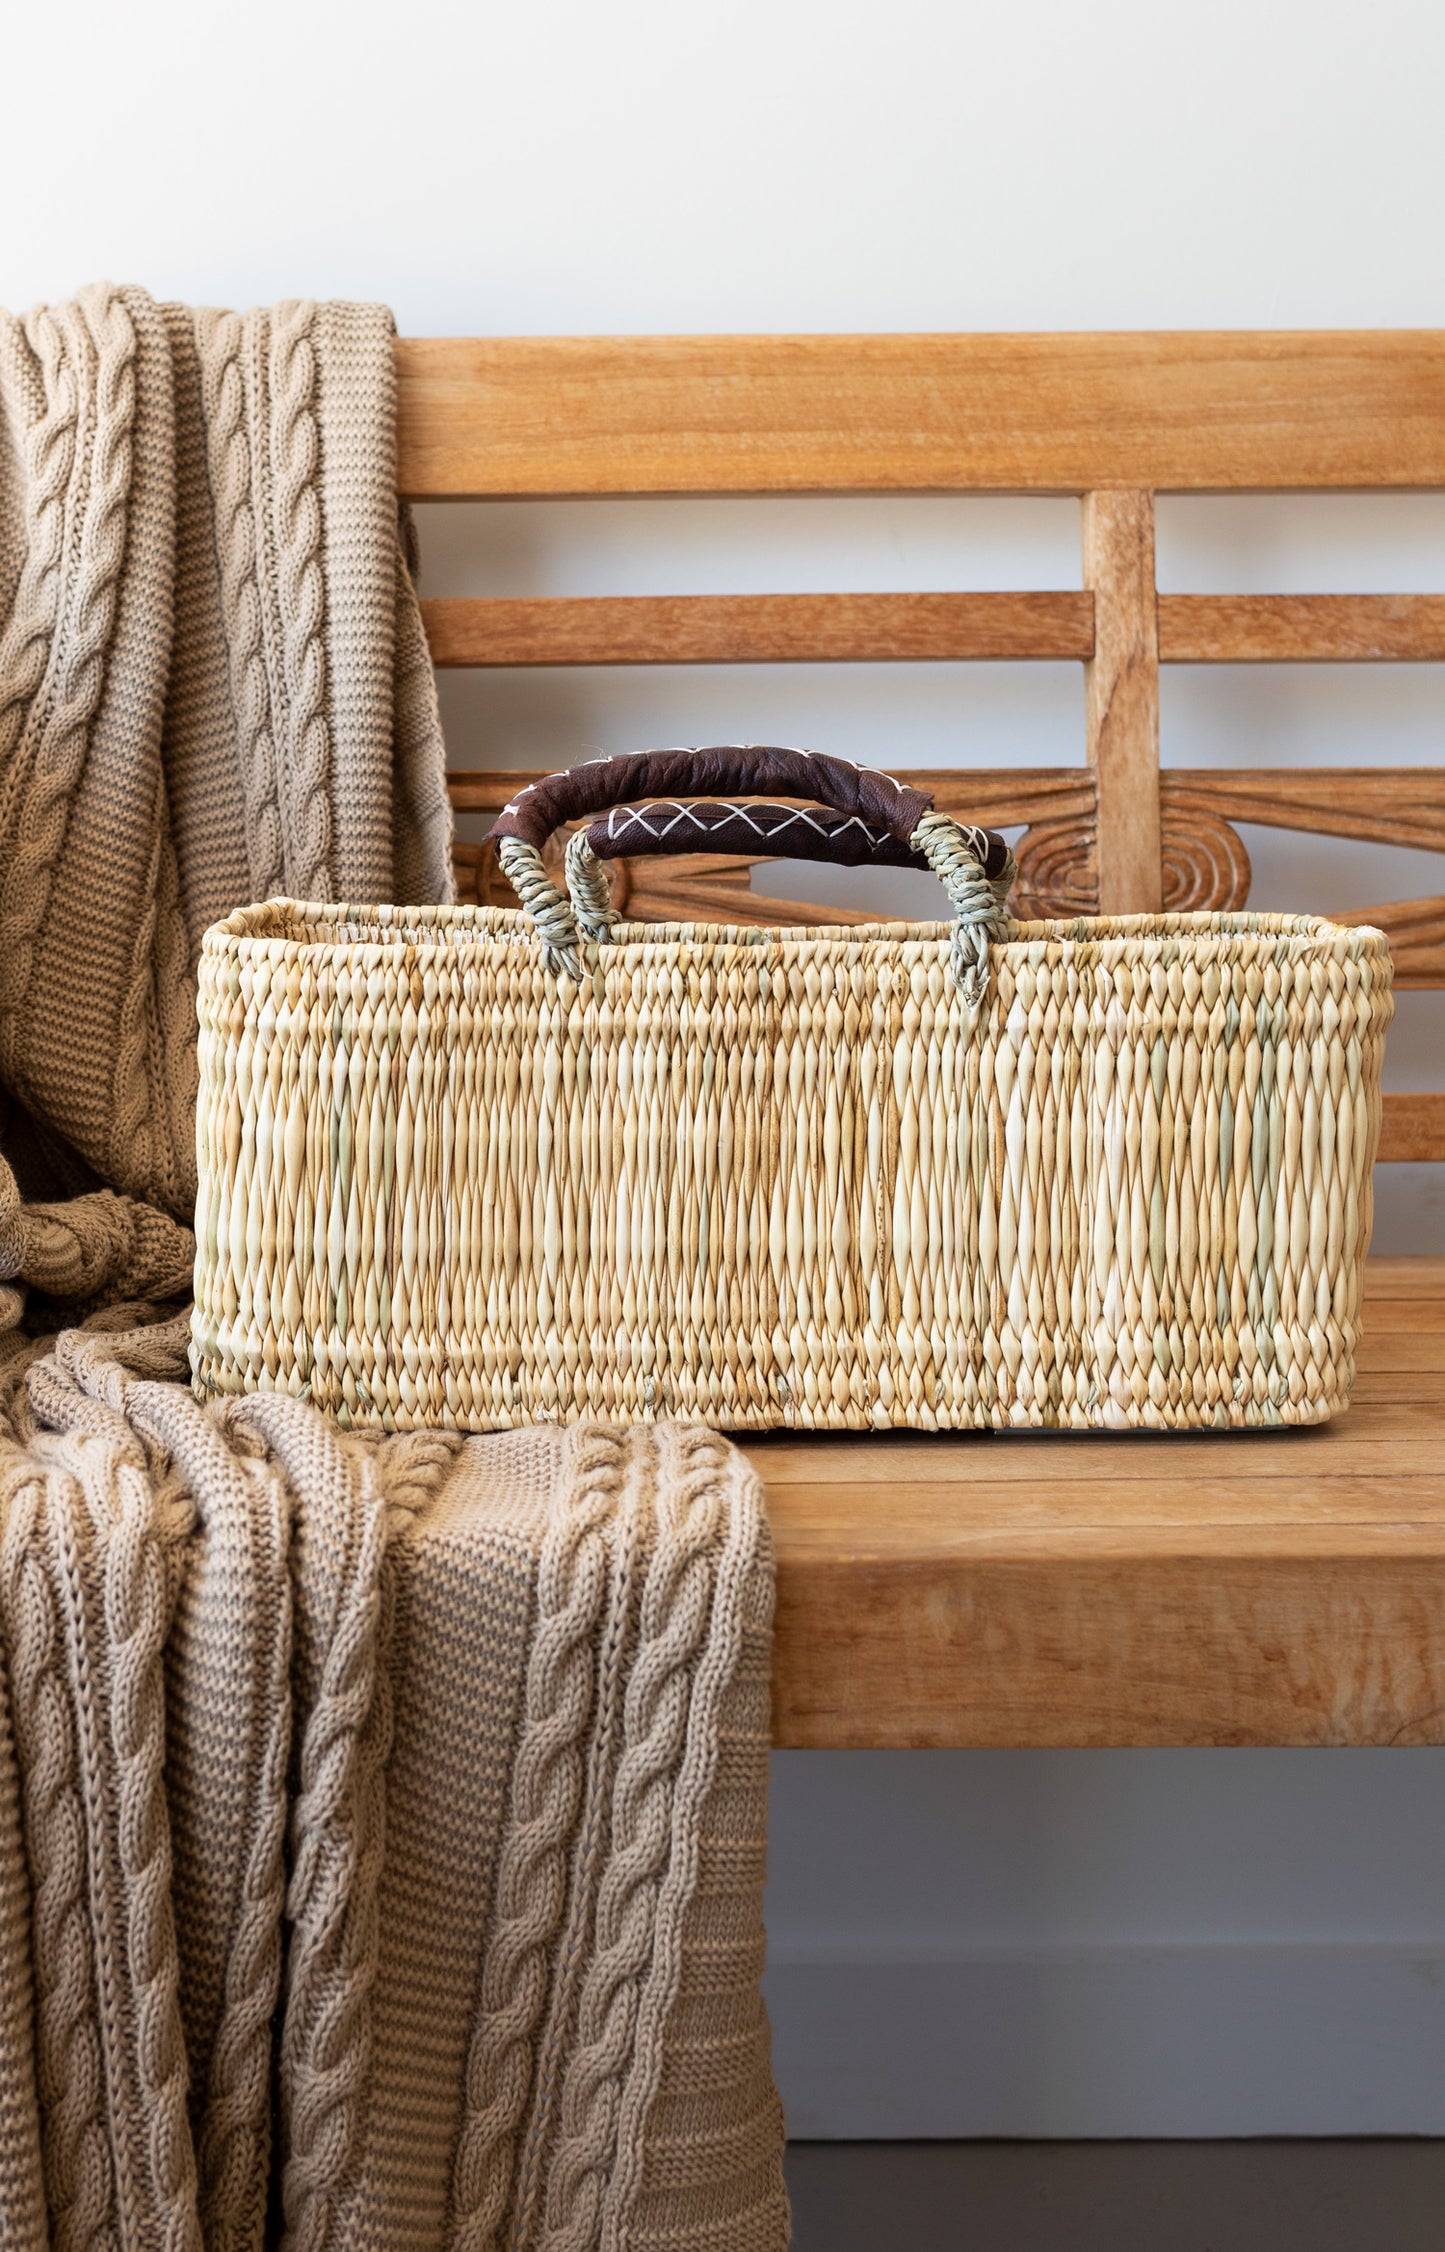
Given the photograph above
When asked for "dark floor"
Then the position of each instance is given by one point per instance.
(1377, 2196)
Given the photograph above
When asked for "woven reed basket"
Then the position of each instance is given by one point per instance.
(481, 1167)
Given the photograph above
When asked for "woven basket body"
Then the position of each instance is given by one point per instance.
(760, 1177)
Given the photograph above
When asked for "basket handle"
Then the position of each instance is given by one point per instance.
(871, 817)
(718, 770)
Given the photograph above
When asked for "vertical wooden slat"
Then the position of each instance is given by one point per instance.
(1122, 699)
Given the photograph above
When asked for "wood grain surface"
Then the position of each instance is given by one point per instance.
(1377, 804)
(753, 629)
(1264, 410)
(1121, 701)
(1034, 1590)
(731, 629)
(1301, 629)
(1413, 1130)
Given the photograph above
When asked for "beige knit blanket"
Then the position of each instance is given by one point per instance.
(381, 1822)
(445, 1762)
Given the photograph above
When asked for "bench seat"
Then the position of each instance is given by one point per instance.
(1234, 1588)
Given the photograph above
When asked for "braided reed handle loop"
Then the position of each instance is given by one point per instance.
(867, 818)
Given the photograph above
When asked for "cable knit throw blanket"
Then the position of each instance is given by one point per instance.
(381, 1822)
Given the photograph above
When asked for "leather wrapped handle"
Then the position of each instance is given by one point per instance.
(868, 816)
(724, 770)
(792, 832)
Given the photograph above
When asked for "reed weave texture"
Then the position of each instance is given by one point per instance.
(758, 1177)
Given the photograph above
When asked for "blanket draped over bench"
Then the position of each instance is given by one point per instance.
(381, 1821)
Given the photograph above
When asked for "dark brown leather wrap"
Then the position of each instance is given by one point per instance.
(792, 832)
(723, 770)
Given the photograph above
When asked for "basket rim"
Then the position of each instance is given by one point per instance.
(282, 928)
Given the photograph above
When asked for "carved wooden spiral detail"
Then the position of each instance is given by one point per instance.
(1058, 872)
(1206, 866)
(1205, 863)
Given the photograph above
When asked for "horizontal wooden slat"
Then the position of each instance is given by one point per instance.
(733, 629)
(1251, 629)
(1177, 411)
(1402, 805)
(1413, 1130)
(751, 629)
(1026, 1590)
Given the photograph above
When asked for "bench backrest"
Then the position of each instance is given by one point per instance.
(1115, 419)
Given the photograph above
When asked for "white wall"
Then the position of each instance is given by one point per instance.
(1092, 1943)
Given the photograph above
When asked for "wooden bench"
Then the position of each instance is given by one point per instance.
(1260, 1589)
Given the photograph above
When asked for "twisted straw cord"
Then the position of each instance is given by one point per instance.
(979, 903)
(588, 888)
(79, 2180)
(220, 338)
(60, 753)
(295, 453)
(676, 1602)
(548, 909)
(531, 1880)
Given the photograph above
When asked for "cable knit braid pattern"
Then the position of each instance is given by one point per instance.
(94, 341)
(709, 1522)
(175, 667)
(342, 1622)
(79, 2169)
(632, 1532)
(229, 1673)
(22, 2174)
(42, 402)
(301, 600)
(220, 338)
(508, 1699)
(381, 1818)
(546, 1791)
(700, 2014)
